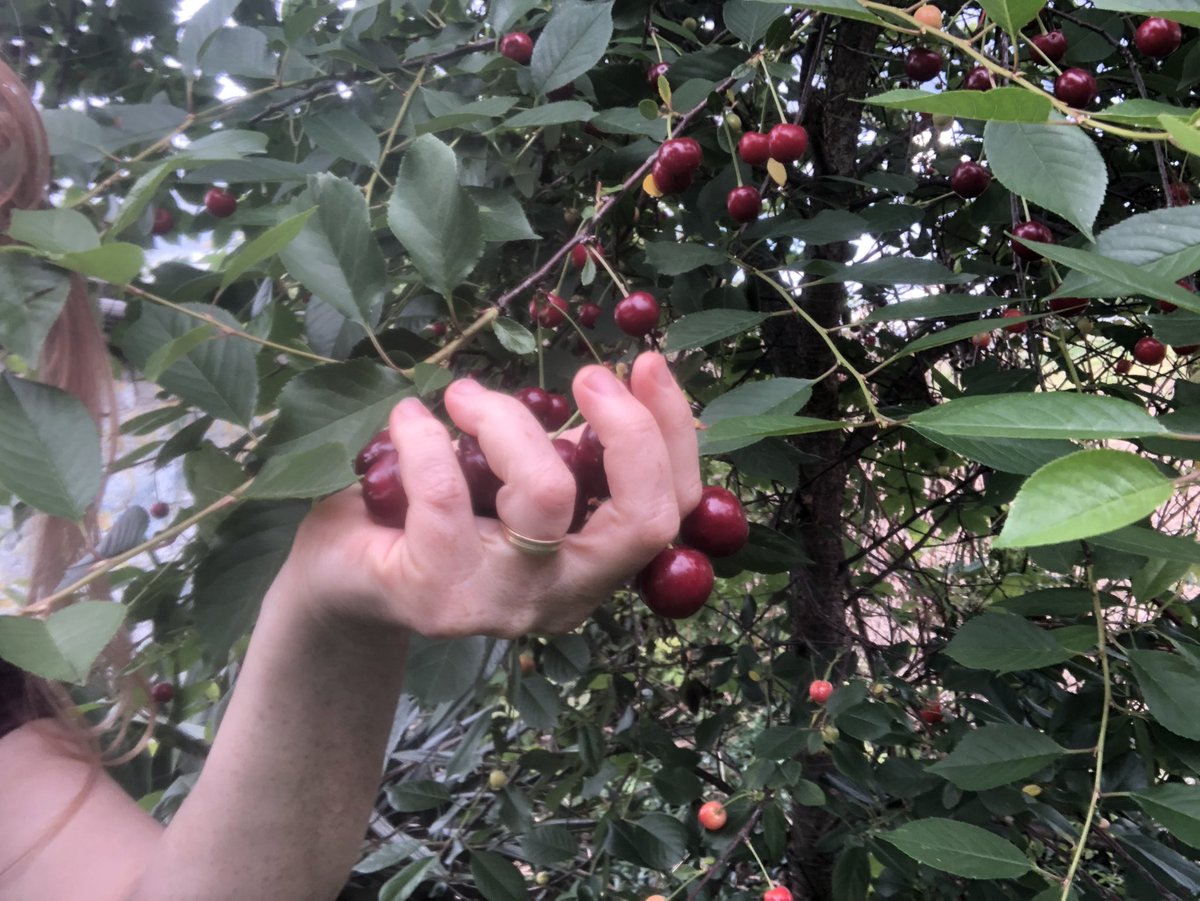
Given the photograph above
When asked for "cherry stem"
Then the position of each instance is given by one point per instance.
(771, 87)
(621, 286)
(737, 169)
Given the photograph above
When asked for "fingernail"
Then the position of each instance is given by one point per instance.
(410, 408)
(468, 386)
(603, 382)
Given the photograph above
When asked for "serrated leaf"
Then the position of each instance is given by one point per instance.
(1086, 493)
(117, 263)
(997, 755)
(497, 878)
(1179, 10)
(433, 217)
(124, 534)
(1184, 135)
(513, 336)
(139, 195)
(538, 703)
(313, 472)
(959, 848)
(31, 297)
(1170, 685)
(709, 326)
(545, 846)
(1016, 455)
(783, 396)
(1051, 414)
(935, 306)
(1176, 806)
(49, 448)
(443, 670)
(200, 28)
(1132, 279)
(342, 133)
(1011, 15)
(780, 742)
(1004, 643)
(1005, 104)
(54, 230)
(742, 431)
(1151, 543)
(501, 216)
(573, 41)
(266, 245)
(1057, 167)
(401, 886)
(416, 795)
(561, 112)
(748, 20)
(672, 258)
(63, 646)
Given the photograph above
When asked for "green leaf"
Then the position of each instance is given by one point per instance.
(783, 396)
(538, 703)
(656, 841)
(671, 258)
(200, 28)
(63, 646)
(1179, 10)
(851, 874)
(401, 886)
(226, 144)
(266, 245)
(780, 742)
(343, 403)
(559, 113)
(312, 472)
(959, 848)
(417, 795)
(1011, 15)
(1004, 644)
(175, 350)
(140, 194)
(1132, 279)
(1176, 806)
(1057, 602)
(1055, 166)
(49, 448)
(1051, 414)
(1140, 112)
(545, 846)
(997, 755)
(501, 216)
(434, 217)
(573, 41)
(1163, 243)
(709, 326)
(1016, 455)
(497, 878)
(245, 556)
(935, 306)
(1086, 493)
(31, 297)
(748, 20)
(54, 231)
(742, 431)
(959, 332)
(335, 254)
(117, 263)
(1170, 685)
(1184, 135)
(513, 336)
(895, 271)
(440, 671)
(825, 227)
(997, 105)
(846, 9)
(344, 134)
(1151, 543)
(218, 376)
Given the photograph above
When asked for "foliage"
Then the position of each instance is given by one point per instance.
(988, 549)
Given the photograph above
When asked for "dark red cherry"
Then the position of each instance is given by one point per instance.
(744, 204)
(677, 582)
(922, 64)
(670, 182)
(160, 509)
(220, 203)
(969, 179)
(549, 309)
(1053, 44)
(1075, 87)
(589, 464)
(718, 525)
(978, 79)
(517, 46)
(378, 447)
(163, 221)
(383, 493)
(482, 483)
(680, 155)
(1030, 231)
(162, 692)
(558, 411)
(1069, 306)
(754, 148)
(588, 314)
(1149, 351)
(567, 452)
(637, 314)
(1158, 37)
(537, 400)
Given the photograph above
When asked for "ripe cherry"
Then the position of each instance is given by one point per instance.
(754, 148)
(549, 310)
(1075, 87)
(677, 582)
(669, 182)
(589, 464)
(526, 662)
(588, 314)
(1016, 328)
(1185, 350)
(567, 452)
(655, 71)
(1053, 45)
(1180, 193)
(160, 509)
(378, 447)
(581, 252)
(978, 79)
(820, 691)
(787, 142)
(1166, 306)
(1123, 365)
(931, 713)
(778, 893)
(637, 314)
(1158, 37)
(162, 692)
(680, 155)
(383, 493)
(922, 64)
(482, 483)
(537, 400)
(983, 340)
(1149, 351)
(437, 329)
(163, 221)
(744, 204)
(969, 179)
(929, 16)
(1069, 306)
(718, 525)
(1030, 231)
(712, 815)
(558, 411)
(517, 46)
(220, 203)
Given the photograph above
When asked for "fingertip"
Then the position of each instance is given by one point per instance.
(408, 409)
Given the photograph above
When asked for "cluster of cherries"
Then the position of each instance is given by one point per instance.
(675, 584)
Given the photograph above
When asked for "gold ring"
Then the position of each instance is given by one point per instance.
(535, 546)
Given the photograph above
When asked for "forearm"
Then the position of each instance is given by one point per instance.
(285, 795)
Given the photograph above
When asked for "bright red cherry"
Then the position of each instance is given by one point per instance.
(517, 46)
(978, 79)
(589, 464)
(1149, 351)
(680, 155)
(744, 204)
(160, 509)
(754, 148)
(1017, 327)
(1053, 45)
(718, 525)
(536, 399)
(558, 411)
(820, 691)
(677, 582)
(969, 179)
(931, 713)
(712, 815)
(581, 252)
(1075, 87)
(787, 142)
(922, 64)
(670, 182)
(378, 447)
(1069, 306)
(779, 893)
(637, 314)
(550, 310)
(162, 692)
(655, 71)
(588, 314)
(1158, 37)
(220, 203)
(383, 493)
(983, 340)
(1123, 365)
(482, 483)
(163, 221)
(1030, 231)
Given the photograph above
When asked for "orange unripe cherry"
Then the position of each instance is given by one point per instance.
(929, 16)
(712, 815)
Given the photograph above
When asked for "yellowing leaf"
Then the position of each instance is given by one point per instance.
(777, 171)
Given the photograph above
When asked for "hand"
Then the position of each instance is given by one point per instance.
(449, 573)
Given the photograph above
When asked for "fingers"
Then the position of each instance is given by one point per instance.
(439, 525)
(538, 497)
(655, 387)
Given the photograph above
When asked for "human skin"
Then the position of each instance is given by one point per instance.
(280, 808)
